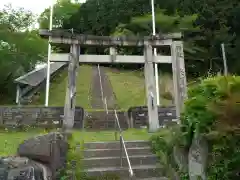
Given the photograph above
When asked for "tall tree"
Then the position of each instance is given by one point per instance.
(16, 19)
(62, 11)
(20, 49)
(142, 25)
(100, 17)
(215, 22)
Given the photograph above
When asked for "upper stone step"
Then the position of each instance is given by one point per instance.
(115, 144)
(93, 153)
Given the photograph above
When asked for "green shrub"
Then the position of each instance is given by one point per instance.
(199, 113)
(74, 167)
(162, 144)
(213, 109)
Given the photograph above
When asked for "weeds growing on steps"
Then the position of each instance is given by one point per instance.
(74, 167)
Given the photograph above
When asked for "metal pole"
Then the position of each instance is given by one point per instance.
(49, 56)
(121, 147)
(224, 60)
(106, 105)
(100, 80)
(155, 52)
(18, 95)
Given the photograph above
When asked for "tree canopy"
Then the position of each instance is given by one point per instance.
(205, 24)
(20, 48)
(62, 11)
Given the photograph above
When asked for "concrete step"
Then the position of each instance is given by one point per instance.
(143, 171)
(91, 153)
(115, 144)
(100, 120)
(115, 161)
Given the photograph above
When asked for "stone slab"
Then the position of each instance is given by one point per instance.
(11, 116)
(139, 116)
(50, 149)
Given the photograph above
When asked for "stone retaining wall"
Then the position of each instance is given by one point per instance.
(135, 117)
(37, 116)
(139, 116)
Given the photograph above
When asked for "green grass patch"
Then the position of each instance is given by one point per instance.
(84, 82)
(129, 88)
(58, 88)
(10, 140)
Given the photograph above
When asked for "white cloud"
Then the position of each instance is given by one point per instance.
(35, 6)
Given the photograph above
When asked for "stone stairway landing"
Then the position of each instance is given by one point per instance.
(104, 158)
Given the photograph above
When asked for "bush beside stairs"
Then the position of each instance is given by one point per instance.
(101, 158)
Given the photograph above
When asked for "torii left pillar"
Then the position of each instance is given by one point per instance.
(70, 99)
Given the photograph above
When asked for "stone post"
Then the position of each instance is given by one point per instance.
(151, 90)
(70, 100)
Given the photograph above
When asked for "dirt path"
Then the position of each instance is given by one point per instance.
(108, 93)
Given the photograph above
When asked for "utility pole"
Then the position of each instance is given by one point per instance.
(155, 52)
(49, 56)
(224, 60)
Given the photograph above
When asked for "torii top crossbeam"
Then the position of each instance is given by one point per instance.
(67, 37)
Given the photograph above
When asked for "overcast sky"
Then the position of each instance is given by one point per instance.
(36, 6)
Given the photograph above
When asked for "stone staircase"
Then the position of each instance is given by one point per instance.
(104, 158)
(99, 120)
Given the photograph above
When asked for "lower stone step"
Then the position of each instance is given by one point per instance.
(90, 153)
(116, 162)
(143, 171)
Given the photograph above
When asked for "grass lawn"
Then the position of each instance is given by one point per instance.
(10, 140)
(59, 84)
(129, 88)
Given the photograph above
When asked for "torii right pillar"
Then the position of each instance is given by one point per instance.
(151, 92)
(179, 77)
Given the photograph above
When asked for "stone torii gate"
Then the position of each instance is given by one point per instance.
(148, 43)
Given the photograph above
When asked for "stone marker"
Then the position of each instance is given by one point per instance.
(14, 167)
(197, 159)
(181, 158)
(50, 149)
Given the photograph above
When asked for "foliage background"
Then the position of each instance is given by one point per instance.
(205, 24)
(211, 111)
